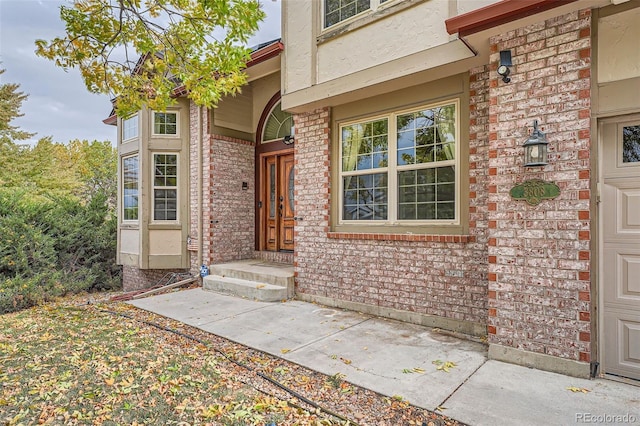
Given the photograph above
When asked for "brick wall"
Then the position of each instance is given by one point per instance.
(193, 182)
(539, 279)
(443, 276)
(232, 217)
(138, 279)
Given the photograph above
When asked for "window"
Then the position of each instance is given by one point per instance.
(165, 123)
(336, 11)
(130, 188)
(130, 127)
(631, 144)
(165, 187)
(278, 125)
(401, 168)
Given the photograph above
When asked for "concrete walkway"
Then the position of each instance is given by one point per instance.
(476, 391)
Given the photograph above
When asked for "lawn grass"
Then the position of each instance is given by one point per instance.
(64, 364)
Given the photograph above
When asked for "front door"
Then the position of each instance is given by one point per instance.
(620, 275)
(278, 205)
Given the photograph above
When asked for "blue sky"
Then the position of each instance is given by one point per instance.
(59, 104)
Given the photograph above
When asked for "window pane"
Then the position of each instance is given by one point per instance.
(426, 136)
(278, 125)
(165, 181)
(365, 145)
(339, 10)
(426, 194)
(165, 123)
(631, 144)
(130, 128)
(365, 197)
(130, 188)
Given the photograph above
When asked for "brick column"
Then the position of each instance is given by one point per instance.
(539, 256)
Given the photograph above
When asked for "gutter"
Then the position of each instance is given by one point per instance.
(498, 13)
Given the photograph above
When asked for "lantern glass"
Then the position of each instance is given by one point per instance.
(535, 148)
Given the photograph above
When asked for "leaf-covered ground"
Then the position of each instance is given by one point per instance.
(108, 364)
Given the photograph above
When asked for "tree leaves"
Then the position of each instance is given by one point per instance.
(138, 53)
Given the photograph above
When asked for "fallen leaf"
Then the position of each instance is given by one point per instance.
(109, 381)
(284, 351)
(345, 360)
(576, 389)
(444, 366)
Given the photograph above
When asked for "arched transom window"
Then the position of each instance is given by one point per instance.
(278, 125)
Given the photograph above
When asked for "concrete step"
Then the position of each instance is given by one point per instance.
(254, 279)
(252, 290)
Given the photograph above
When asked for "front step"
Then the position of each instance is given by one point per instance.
(252, 279)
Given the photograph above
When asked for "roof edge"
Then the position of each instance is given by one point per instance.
(498, 13)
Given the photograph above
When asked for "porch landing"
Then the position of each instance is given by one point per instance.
(254, 279)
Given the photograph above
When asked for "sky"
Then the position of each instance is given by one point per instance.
(59, 105)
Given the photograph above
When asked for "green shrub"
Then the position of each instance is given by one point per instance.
(52, 246)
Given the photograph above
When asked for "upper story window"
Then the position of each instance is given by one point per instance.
(165, 123)
(339, 10)
(278, 125)
(165, 187)
(130, 172)
(401, 168)
(130, 127)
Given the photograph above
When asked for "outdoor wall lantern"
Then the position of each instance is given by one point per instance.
(505, 63)
(535, 148)
(288, 140)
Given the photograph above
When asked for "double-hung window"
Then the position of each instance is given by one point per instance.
(130, 172)
(165, 123)
(165, 187)
(401, 168)
(130, 127)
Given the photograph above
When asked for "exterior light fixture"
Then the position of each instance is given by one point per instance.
(503, 66)
(535, 148)
(288, 140)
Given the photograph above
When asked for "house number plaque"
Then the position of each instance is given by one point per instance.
(534, 191)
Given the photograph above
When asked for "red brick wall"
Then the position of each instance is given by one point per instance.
(231, 224)
(138, 279)
(436, 275)
(539, 279)
(228, 210)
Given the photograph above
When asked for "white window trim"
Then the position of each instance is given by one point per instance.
(374, 6)
(154, 187)
(164, 135)
(137, 188)
(137, 135)
(392, 178)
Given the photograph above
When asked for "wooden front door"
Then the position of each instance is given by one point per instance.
(278, 202)
(620, 275)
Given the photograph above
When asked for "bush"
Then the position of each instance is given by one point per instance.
(54, 246)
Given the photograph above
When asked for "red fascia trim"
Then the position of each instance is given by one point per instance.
(498, 13)
(267, 52)
(112, 119)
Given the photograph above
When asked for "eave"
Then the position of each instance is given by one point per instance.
(498, 13)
